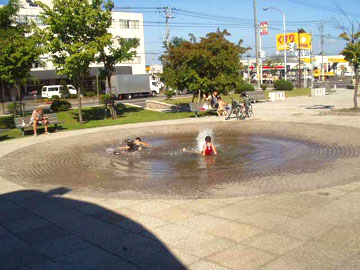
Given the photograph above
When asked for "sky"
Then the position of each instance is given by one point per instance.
(200, 17)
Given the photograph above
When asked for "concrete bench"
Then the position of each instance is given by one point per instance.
(195, 107)
(256, 95)
(275, 96)
(24, 122)
(318, 92)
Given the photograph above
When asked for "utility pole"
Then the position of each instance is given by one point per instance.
(248, 69)
(256, 46)
(261, 61)
(168, 15)
(312, 64)
(299, 55)
(322, 50)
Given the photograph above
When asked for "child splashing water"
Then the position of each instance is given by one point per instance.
(201, 137)
(208, 147)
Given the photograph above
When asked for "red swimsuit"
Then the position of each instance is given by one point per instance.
(208, 150)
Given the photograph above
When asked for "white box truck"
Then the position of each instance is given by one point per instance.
(129, 86)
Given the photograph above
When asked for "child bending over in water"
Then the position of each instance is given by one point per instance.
(133, 146)
(208, 148)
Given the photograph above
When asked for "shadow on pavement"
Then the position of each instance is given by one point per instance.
(41, 230)
(321, 107)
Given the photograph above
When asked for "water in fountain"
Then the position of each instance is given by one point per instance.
(200, 139)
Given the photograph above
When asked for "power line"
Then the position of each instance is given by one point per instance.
(322, 7)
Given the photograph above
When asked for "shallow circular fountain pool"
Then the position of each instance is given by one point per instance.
(252, 159)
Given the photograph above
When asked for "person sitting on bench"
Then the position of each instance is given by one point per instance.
(38, 118)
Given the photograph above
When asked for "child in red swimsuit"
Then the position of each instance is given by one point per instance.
(208, 148)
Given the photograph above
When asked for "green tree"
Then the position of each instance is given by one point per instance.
(112, 54)
(352, 54)
(74, 30)
(20, 47)
(211, 64)
(8, 13)
(64, 90)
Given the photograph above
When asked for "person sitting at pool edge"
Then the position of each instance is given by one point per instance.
(133, 146)
(221, 108)
(208, 147)
(39, 118)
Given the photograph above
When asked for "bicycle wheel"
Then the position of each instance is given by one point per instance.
(240, 115)
(251, 112)
(229, 112)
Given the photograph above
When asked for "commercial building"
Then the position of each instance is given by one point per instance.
(124, 24)
(331, 63)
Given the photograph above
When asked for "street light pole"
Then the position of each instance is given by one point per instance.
(256, 25)
(284, 33)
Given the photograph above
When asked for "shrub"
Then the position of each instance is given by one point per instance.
(283, 85)
(90, 94)
(42, 100)
(60, 105)
(263, 86)
(55, 98)
(105, 98)
(73, 95)
(11, 106)
(245, 88)
(169, 94)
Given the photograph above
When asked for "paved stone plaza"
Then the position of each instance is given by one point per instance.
(51, 227)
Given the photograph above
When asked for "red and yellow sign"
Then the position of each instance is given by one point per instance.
(303, 38)
(264, 28)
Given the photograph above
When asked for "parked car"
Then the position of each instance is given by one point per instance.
(49, 91)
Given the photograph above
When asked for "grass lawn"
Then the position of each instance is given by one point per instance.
(296, 92)
(227, 99)
(94, 117)
(353, 110)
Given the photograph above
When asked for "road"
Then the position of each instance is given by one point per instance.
(31, 105)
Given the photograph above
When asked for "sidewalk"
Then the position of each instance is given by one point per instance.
(316, 229)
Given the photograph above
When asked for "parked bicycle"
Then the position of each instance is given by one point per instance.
(237, 109)
(248, 107)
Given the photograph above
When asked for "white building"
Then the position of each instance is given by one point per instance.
(155, 69)
(124, 24)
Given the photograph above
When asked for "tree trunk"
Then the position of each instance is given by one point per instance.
(356, 87)
(199, 96)
(79, 104)
(108, 77)
(2, 97)
(18, 88)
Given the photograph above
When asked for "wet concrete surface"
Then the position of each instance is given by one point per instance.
(253, 158)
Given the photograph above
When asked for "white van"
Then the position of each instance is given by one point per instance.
(54, 90)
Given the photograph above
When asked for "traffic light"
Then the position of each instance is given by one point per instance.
(291, 47)
(262, 54)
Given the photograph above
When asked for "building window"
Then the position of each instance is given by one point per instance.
(129, 24)
(123, 23)
(24, 19)
(134, 24)
(136, 60)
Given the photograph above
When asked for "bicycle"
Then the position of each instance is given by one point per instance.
(237, 109)
(248, 108)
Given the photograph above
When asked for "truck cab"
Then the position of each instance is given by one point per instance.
(154, 87)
